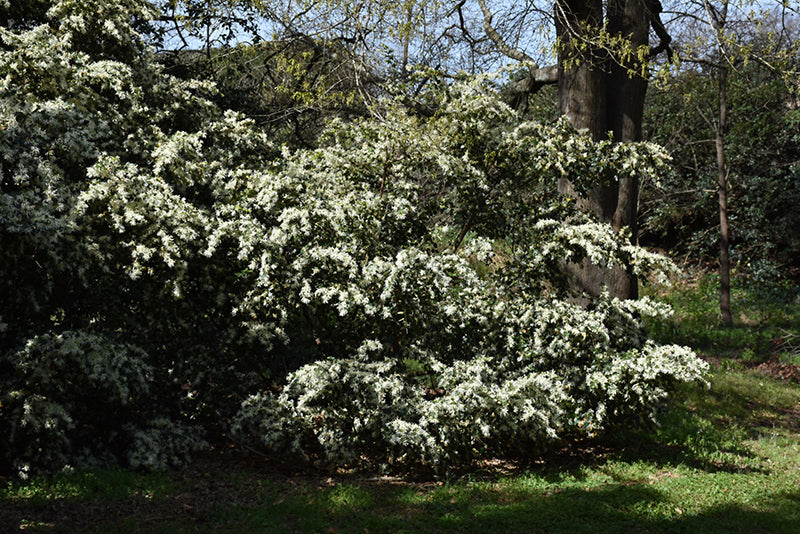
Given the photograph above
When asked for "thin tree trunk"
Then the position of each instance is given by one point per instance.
(724, 236)
(717, 18)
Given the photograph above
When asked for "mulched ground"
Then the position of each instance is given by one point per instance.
(780, 370)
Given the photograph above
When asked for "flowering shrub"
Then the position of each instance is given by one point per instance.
(345, 409)
(403, 281)
(65, 400)
(430, 272)
(106, 172)
(551, 371)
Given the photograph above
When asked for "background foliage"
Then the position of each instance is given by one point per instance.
(761, 141)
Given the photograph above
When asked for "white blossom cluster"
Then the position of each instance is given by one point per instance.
(98, 232)
(561, 370)
(508, 357)
(344, 409)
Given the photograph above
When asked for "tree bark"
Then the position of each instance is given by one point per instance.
(603, 94)
(717, 18)
(581, 80)
(582, 88)
(724, 235)
(627, 91)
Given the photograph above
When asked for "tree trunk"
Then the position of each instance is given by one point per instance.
(627, 91)
(717, 18)
(597, 92)
(581, 80)
(722, 168)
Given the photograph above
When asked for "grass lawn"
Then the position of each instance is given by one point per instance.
(724, 459)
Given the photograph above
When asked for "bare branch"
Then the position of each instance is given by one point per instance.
(654, 10)
(498, 40)
(536, 78)
(516, 94)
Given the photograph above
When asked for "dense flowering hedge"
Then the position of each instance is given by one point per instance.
(402, 284)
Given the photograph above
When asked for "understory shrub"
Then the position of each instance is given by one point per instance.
(361, 412)
(428, 268)
(82, 400)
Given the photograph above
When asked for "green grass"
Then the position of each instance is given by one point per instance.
(108, 484)
(766, 320)
(723, 459)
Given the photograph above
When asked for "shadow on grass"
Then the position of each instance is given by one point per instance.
(292, 506)
(693, 474)
(627, 509)
(617, 509)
